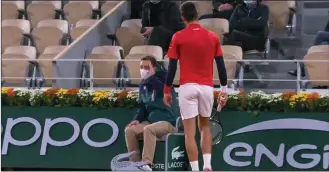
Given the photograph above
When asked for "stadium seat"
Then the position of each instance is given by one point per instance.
(103, 69)
(49, 33)
(282, 16)
(45, 69)
(12, 32)
(42, 10)
(292, 4)
(317, 70)
(77, 10)
(136, 53)
(318, 49)
(23, 68)
(11, 9)
(129, 34)
(203, 7)
(133, 24)
(219, 26)
(81, 26)
(234, 50)
(279, 13)
(108, 6)
(282, 23)
(230, 52)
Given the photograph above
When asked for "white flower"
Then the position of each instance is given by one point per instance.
(275, 97)
(324, 95)
(113, 95)
(85, 93)
(34, 95)
(257, 93)
(233, 93)
(133, 95)
(22, 92)
(113, 99)
(260, 94)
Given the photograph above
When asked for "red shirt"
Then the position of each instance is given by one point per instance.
(195, 47)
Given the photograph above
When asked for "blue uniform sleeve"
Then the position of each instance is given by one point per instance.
(141, 113)
(157, 83)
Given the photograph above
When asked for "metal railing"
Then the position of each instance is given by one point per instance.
(34, 62)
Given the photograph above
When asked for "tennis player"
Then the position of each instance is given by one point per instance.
(196, 49)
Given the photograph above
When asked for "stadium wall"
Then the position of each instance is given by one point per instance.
(89, 138)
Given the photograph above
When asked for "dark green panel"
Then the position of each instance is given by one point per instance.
(291, 131)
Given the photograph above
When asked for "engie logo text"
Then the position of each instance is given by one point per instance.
(246, 153)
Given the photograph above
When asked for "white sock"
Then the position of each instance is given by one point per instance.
(207, 161)
(194, 165)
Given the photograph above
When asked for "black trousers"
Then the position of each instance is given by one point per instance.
(160, 36)
(246, 41)
(218, 14)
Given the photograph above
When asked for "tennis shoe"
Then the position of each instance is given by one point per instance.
(207, 169)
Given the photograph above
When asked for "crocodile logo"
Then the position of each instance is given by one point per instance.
(176, 154)
(118, 163)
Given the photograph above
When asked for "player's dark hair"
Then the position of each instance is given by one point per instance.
(151, 59)
(189, 12)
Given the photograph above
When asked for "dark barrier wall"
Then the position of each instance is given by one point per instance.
(89, 138)
(85, 43)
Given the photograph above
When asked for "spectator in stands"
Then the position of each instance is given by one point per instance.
(322, 38)
(222, 9)
(248, 25)
(154, 119)
(160, 20)
(136, 8)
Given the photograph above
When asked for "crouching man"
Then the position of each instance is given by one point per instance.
(154, 119)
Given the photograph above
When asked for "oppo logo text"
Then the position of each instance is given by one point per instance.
(46, 140)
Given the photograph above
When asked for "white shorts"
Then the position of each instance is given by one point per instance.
(195, 99)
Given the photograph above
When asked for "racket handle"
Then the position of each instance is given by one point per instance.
(219, 108)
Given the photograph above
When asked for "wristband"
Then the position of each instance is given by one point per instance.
(223, 89)
(167, 89)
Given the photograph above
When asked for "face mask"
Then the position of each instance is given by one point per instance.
(250, 2)
(155, 1)
(145, 73)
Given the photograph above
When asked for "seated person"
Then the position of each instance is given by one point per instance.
(154, 119)
(248, 26)
(222, 9)
(322, 38)
(160, 20)
(136, 9)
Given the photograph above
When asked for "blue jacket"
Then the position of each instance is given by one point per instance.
(151, 106)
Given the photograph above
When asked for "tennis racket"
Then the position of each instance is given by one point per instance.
(216, 127)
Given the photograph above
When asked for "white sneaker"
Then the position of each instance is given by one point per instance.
(145, 168)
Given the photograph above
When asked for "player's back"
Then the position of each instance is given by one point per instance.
(197, 49)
